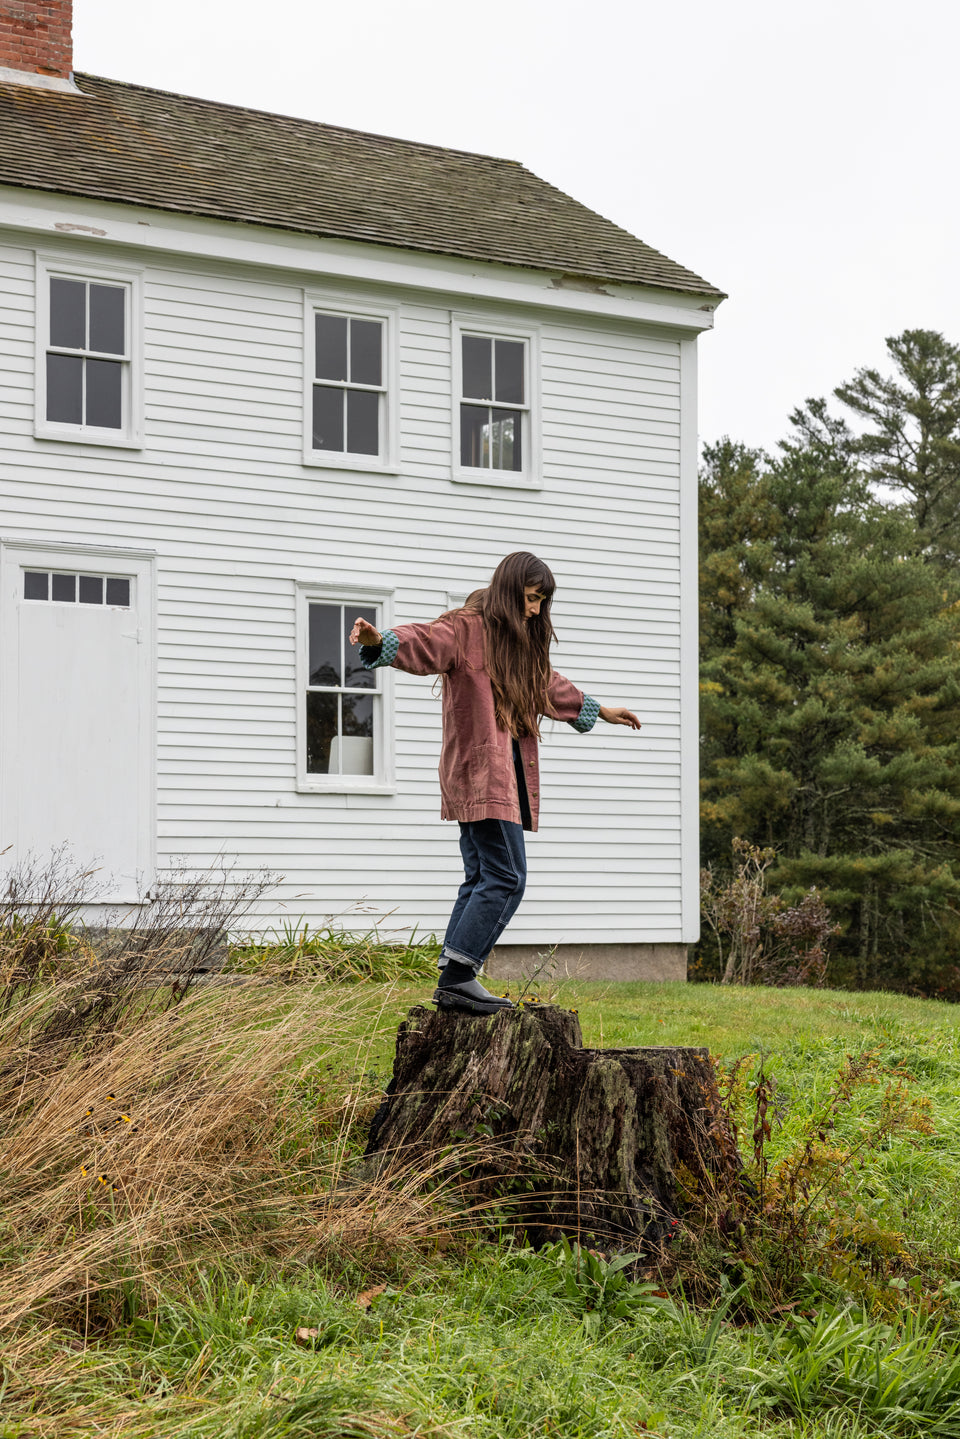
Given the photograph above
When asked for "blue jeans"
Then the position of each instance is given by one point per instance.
(495, 875)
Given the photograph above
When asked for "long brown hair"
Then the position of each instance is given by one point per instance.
(517, 650)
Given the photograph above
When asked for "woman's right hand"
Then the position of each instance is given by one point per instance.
(365, 634)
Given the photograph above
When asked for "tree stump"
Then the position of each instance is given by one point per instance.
(583, 1142)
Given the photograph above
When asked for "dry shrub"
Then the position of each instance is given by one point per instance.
(806, 1211)
(40, 906)
(767, 941)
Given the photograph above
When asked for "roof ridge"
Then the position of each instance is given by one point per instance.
(80, 75)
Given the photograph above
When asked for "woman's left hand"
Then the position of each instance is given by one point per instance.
(618, 715)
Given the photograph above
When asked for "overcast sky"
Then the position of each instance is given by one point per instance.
(802, 157)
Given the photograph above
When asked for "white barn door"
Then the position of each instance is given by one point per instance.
(76, 712)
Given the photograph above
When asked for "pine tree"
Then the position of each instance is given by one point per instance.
(737, 522)
(830, 714)
(911, 442)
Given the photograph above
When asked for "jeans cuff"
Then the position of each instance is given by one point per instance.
(446, 954)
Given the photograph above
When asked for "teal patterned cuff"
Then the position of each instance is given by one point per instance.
(588, 716)
(373, 657)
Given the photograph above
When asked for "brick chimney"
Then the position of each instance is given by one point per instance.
(36, 39)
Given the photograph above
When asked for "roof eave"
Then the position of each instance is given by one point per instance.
(47, 212)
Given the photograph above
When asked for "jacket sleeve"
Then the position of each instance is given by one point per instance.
(430, 649)
(570, 704)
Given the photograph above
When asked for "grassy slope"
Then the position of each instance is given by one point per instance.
(485, 1345)
(804, 1036)
(730, 1021)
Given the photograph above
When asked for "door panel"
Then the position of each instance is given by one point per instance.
(77, 726)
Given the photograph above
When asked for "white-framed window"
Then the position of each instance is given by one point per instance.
(495, 410)
(69, 588)
(350, 401)
(87, 352)
(344, 718)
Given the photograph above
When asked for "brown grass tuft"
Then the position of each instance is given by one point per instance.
(148, 1121)
(179, 1135)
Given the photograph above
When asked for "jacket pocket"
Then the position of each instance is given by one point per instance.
(491, 778)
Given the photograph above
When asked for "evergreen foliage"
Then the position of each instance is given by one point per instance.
(830, 688)
(911, 442)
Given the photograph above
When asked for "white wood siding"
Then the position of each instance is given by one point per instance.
(219, 492)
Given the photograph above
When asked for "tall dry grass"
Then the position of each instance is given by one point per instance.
(147, 1121)
(121, 1160)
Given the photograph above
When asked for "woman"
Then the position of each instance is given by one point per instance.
(494, 656)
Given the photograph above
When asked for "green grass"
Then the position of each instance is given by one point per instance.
(728, 1020)
(489, 1347)
(297, 952)
(490, 1340)
(731, 1021)
(913, 1185)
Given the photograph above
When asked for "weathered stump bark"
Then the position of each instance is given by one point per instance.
(585, 1142)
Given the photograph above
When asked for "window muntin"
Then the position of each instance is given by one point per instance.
(343, 700)
(493, 402)
(349, 393)
(88, 353)
(65, 588)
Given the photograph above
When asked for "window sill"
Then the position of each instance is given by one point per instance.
(81, 435)
(364, 464)
(346, 786)
(499, 479)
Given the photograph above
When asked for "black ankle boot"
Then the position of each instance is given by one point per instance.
(469, 996)
(455, 972)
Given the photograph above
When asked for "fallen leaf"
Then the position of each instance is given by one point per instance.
(364, 1300)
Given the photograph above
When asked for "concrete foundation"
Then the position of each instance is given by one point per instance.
(662, 962)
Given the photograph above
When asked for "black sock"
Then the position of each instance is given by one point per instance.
(454, 972)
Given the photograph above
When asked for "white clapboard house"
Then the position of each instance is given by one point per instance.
(261, 375)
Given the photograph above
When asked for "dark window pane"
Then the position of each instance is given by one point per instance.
(68, 314)
(474, 435)
(118, 592)
(506, 440)
(91, 589)
(65, 389)
(65, 587)
(331, 348)
(509, 356)
(104, 391)
(356, 742)
(354, 674)
(366, 352)
(36, 586)
(363, 429)
(358, 715)
(327, 418)
(107, 329)
(325, 622)
(477, 367)
(322, 729)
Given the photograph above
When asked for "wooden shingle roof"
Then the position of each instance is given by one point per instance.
(138, 146)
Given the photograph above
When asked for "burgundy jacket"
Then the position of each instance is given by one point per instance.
(477, 777)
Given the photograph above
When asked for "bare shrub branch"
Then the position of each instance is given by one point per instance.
(767, 940)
